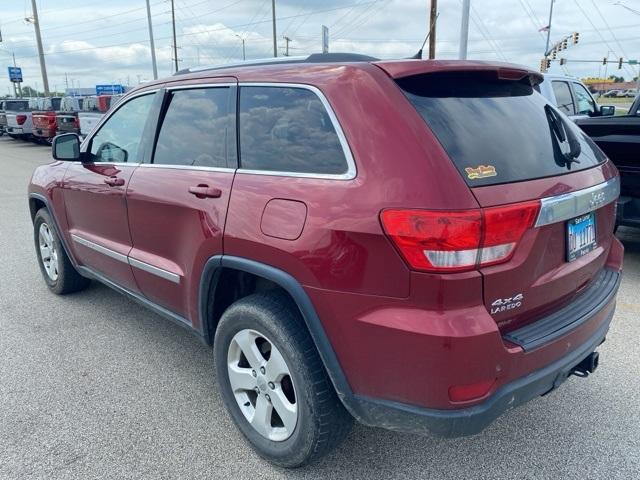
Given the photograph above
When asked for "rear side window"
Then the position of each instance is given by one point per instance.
(564, 99)
(498, 131)
(198, 129)
(287, 129)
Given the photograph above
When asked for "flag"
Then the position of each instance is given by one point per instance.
(545, 29)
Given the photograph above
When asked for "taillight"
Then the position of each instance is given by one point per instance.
(21, 119)
(52, 120)
(456, 241)
(76, 122)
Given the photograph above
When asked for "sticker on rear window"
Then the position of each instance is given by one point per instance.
(481, 171)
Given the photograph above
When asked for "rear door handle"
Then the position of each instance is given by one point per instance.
(114, 181)
(205, 191)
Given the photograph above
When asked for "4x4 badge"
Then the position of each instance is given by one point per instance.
(504, 304)
(481, 171)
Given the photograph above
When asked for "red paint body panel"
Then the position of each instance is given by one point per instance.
(176, 232)
(398, 335)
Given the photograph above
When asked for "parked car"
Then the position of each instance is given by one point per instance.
(94, 110)
(614, 94)
(572, 97)
(631, 93)
(67, 120)
(45, 124)
(13, 105)
(619, 137)
(387, 243)
(19, 123)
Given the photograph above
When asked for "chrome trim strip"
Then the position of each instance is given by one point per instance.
(100, 249)
(570, 205)
(196, 86)
(351, 172)
(187, 167)
(172, 277)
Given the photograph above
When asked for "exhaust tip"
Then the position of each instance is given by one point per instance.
(587, 366)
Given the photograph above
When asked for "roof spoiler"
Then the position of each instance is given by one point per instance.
(505, 71)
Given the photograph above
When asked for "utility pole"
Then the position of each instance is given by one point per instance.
(175, 43)
(464, 29)
(432, 29)
(546, 48)
(151, 42)
(43, 67)
(244, 57)
(273, 17)
(286, 48)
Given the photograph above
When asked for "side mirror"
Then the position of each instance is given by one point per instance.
(66, 147)
(607, 110)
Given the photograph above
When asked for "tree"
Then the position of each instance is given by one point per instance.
(616, 79)
(27, 91)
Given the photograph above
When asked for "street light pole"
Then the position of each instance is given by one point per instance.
(464, 29)
(152, 44)
(546, 48)
(175, 43)
(273, 17)
(43, 67)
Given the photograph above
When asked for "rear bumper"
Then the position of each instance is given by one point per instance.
(15, 130)
(472, 420)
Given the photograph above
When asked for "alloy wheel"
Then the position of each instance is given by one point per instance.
(262, 385)
(48, 252)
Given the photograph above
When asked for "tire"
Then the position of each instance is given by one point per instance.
(58, 271)
(271, 319)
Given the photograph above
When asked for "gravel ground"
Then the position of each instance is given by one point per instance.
(94, 386)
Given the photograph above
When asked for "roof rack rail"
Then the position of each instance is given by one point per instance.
(313, 58)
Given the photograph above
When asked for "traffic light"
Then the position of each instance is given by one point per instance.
(564, 44)
(575, 37)
(554, 54)
(547, 63)
(604, 61)
(620, 64)
(563, 61)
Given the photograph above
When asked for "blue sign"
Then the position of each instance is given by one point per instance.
(111, 89)
(15, 74)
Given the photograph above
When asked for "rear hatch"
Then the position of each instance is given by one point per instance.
(545, 190)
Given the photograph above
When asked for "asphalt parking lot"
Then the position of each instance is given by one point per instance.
(94, 386)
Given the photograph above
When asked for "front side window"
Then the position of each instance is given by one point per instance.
(119, 138)
(288, 129)
(198, 129)
(563, 97)
(586, 105)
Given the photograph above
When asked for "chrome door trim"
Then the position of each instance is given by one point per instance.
(570, 205)
(100, 249)
(160, 272)
(195, 86)
(167, 275)
(351, 172)
(187, 167)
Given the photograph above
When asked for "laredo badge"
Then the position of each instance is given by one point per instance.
(481, 171)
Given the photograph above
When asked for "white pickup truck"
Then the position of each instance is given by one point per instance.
(572, 97)
(94, 109)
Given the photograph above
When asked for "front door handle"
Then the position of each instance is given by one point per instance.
(114, 181)
(205, 191)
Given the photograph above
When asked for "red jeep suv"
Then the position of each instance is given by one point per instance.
(419, 245)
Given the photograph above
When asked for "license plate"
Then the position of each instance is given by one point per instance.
(581, 236)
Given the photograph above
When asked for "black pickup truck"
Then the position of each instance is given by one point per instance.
(619, 138)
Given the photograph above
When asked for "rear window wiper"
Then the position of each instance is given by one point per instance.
(564, 134)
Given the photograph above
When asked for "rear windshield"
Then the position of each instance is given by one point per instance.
(16, 106)
(499, 131)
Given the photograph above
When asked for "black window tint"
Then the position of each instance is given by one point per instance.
(497, 131)
(288, 130)
(197, 129)
(563, 97)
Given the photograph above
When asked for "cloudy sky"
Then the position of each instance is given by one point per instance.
(107, 41)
